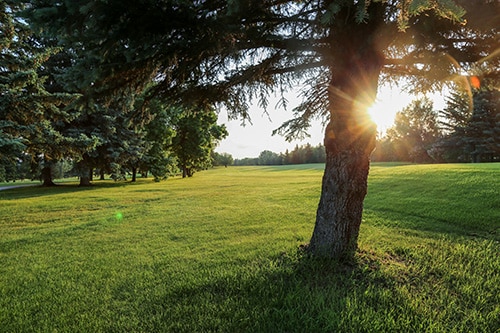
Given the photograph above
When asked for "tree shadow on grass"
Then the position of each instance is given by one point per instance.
(287, 294)
(432, 225)
(60, 188)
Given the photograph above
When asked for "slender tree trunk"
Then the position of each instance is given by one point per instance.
(134, 174)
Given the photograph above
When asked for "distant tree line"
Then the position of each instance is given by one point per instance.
(299, 155)
(467, 130)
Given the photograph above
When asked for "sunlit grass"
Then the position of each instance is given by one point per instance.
(218, 253)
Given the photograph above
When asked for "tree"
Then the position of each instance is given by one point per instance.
(197, 134)
(25, 106)
(415, 130)
(224, 159)
(471, 122)
(268, 157)
(34, 111)
(158, 157)
(482, 133)
(454, 119)
(230, 52)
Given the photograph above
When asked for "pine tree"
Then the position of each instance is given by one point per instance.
(32, 115)
(471, 121)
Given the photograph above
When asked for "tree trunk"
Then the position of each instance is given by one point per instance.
(85, 178)
(344, 187)
(134, 174)
(349, 138)
(47, 175)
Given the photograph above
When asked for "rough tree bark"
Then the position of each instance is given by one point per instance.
(344, 188)
(349, 140)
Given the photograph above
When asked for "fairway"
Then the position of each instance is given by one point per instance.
(218, 252)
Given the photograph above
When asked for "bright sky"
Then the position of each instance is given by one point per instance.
(251, 139)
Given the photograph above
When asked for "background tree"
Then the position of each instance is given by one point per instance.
(453, 122)
(268, 157)
(224, 159)
(196, 136)
(482, 133)
(28, 112)
(233, 51)
(471, 125)
(158, 158)
(415, 130)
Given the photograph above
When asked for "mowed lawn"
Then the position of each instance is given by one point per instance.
(219, 253)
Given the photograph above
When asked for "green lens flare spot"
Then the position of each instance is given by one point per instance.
(119, 216)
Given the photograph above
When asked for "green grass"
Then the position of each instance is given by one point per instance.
(218, 253)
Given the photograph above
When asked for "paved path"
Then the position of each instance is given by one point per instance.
(2, 188)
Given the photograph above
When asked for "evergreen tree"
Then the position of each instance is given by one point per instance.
(471, 124)
(482, 135)
(32, 115)
(158, 158)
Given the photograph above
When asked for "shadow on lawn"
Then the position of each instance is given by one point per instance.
(288, 295)
(433, 225)
(35, 190)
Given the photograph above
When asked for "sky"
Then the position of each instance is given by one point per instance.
(251, 139)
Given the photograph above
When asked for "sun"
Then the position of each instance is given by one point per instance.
(382, 114)
(392, 100)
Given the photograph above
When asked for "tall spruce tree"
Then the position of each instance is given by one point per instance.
(32, 114)
(233, 51)
(471, 122)
(158, 158)
(482, 137)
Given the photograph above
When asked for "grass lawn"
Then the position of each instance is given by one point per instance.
(218, 253)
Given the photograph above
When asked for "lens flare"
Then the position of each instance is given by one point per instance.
(475, 82)
(119, 216)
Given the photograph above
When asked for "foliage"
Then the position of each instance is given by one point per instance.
(472, 124)
(245, 50)
(224, 159)
(140, 258)
(33, 115)
(415, 130)
(299, 155)
(196, 136)
(158, 158)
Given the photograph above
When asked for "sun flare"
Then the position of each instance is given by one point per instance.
(382, 114)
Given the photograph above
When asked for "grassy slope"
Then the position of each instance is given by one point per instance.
(218, 252)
